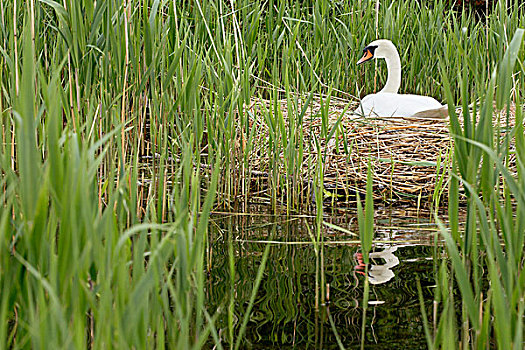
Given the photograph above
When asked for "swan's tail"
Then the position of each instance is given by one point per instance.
(437, 113)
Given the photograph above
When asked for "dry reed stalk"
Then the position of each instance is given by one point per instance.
(404, 152)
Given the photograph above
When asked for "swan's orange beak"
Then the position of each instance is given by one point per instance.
(366, 57)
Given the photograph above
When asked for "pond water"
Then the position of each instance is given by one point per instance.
(289, 309)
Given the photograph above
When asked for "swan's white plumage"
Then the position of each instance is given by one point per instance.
(387, 102)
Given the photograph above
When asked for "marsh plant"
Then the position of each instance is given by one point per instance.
(123, 124)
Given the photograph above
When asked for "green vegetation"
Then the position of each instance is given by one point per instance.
(123, 125)
(492, 244)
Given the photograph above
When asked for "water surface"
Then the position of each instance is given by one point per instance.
(290, 310)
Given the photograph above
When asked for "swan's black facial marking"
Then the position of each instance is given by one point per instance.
(368, 54)
(371, 48)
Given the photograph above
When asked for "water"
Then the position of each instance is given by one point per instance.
(285, 313)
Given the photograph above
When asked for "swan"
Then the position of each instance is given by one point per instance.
(387, 102)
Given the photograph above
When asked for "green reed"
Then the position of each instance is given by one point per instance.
(76, 273)
(491, 246)
(365, 220)
(123, 120)
(175, 70)
(87, 261)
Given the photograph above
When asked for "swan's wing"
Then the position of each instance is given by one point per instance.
(394, 105)
(366, 107)
(417, 105)
(437, 113)
(378, 105)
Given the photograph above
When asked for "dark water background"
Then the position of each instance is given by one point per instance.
(285, 314)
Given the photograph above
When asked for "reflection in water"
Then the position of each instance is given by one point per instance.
(284, 313)
(378, 273)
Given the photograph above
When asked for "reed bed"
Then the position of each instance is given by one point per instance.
(124, 123)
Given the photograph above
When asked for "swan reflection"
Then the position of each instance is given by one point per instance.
(378, 273)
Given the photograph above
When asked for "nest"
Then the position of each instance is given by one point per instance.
(409, 157)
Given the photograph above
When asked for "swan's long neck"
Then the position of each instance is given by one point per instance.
(393, 65)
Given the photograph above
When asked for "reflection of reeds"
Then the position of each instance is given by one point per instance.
(285, 303)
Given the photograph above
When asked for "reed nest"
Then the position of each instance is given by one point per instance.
(410, 158)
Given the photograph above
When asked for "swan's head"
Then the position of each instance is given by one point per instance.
(378, 49)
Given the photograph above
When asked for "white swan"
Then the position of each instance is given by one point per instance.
(387, 102)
